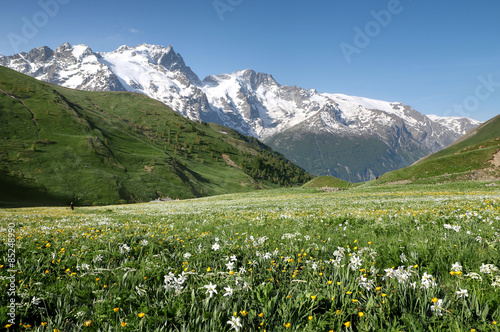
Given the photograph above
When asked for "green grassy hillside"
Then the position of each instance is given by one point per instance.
(327, 181)
(476, 156)
(59, 145)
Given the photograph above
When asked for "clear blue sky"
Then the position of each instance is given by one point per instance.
(441, 57)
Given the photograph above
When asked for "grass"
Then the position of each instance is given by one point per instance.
(379, 258)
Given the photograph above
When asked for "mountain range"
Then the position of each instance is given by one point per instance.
(352, 138)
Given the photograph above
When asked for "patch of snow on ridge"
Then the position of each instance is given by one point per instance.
(365, 102)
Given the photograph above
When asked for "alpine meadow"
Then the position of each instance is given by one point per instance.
(413, 250)
(319, 166)
(246, 248)
(386, 258)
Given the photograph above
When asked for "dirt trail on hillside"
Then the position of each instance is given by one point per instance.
(229, 161)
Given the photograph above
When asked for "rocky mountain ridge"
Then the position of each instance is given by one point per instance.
(288, 118)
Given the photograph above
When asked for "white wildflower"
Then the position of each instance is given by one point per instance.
(365, 283)
(229, 291)
(402, 274)
(456, 267)
(124, 249)
(181, 279)
(462, 293)
(173, 283)
(211, 289)
(474, 275)
(230, 266)
(437, 307)
(403, 258)
(389, 273)
(140, 290)
(427, 281)
(488, 268)
(235, 323)
(355, 262)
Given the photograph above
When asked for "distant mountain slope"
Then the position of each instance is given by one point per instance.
(385, 135)
(476, 156)
(59, 145)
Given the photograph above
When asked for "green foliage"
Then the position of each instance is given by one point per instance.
(60, 145)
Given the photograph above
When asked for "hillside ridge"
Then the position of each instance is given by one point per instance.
(60, 145)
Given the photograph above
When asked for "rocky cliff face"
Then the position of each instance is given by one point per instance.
(353, 138)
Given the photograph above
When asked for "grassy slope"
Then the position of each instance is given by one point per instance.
(459, 161)
(327, 181)
(114, 147)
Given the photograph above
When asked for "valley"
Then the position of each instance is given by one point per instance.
(289, 119)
